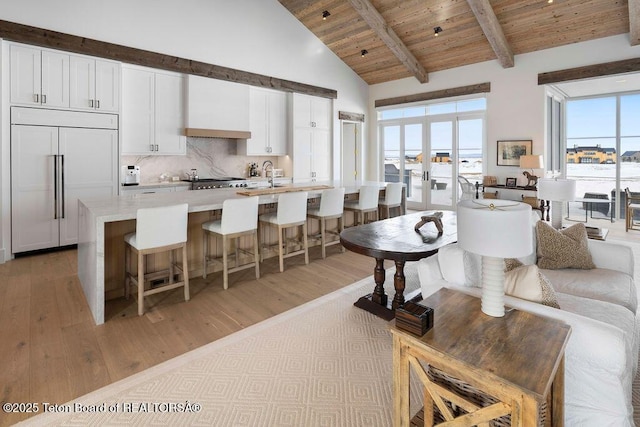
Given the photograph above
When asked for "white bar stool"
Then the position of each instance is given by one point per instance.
(291, 212)
(162, 229)
(367, 202)
(392, 199)
(331, 207)
(239, 218)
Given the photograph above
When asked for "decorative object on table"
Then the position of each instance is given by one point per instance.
(531, 161)
(510, 151)
(496, 230)
(556, 191)
(489, 181)
(253, 169)
(415, 318)
(436, 218)
(511, 182)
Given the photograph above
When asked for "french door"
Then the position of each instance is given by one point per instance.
(429, 153)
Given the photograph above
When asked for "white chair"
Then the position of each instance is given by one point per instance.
(392, 199)
(239, 218)
(367, 203)
(162, 229)
(291, 212)
(467, 189)
(331, 207)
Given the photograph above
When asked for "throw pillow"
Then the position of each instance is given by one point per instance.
(527, 282)
(566, 248)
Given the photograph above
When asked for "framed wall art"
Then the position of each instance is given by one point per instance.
(511, 182)
(509, 151)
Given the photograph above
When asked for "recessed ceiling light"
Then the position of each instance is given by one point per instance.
(436, 31)
(621, 81)
(363, 52)
(325, 15)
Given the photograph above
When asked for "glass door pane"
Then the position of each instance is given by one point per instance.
(413, 165)
(470, 143)
(442, 162)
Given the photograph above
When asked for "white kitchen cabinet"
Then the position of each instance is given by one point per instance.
(152, 112)
(94, 84)
(217, 104)
(51, 168)
(38, 77)
(268, 124)
(311, 145)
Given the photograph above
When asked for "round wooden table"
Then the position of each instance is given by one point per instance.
(397, 240)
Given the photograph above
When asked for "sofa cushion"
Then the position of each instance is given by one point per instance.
(527, 282)
(566, 248)
(599, 284)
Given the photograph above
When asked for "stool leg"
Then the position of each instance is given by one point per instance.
(280, 254)
(323, 241)
(172, 260)
(306, 243)
(185, 273)
(340, 229)
(205, 254)
(225, 262)
(256, 256)
(141, 267)
(127, 269)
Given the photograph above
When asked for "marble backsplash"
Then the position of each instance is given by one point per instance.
(212, 157)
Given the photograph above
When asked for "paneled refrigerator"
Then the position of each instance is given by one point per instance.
(58, 157)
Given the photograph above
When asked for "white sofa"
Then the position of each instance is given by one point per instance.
(600, 306)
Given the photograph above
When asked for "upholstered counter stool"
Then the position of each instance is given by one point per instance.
(239, 218)
(162, 229)
(392, 199)
(331, 207)
(291, 212)
(367, 203)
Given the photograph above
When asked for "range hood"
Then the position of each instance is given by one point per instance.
(217, 133)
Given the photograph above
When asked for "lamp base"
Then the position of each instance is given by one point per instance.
(493, 286)
(556, 215)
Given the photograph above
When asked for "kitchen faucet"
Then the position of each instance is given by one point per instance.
(264, 171)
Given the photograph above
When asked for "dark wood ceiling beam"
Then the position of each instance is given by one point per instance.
(590, 71)
(390, 38)
(437, 94)
(70, 43)
(634, 22)
(493, 31)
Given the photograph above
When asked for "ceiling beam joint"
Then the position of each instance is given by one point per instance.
(493, 31)
(377, 23)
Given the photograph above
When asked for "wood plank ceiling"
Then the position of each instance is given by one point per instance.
(398, 35)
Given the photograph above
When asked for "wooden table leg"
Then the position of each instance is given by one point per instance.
(398, 284)
(378, 296)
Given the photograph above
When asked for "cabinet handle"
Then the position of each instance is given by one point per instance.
(55, 186)
(97, 103)
(62, 183)
(150, 147)
(91, 103)
(44, 99)
(37, 98)
(156, 147)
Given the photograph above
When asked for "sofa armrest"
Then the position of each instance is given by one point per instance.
(614, 256)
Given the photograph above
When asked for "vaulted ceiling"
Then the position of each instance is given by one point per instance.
(399, 35)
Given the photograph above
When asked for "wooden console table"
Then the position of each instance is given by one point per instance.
(517, 360)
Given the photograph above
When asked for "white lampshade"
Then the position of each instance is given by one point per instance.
(503, 232)
(495, 230)
(556, 190)
(531, 161)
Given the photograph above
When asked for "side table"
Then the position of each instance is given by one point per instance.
(513, 364)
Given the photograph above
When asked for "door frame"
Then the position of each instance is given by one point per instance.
(358, 150)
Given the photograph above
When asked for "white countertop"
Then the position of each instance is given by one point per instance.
(150, 185)
(124, 207)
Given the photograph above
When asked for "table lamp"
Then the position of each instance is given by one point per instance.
(531, 161)
(497, 230)
(557, 191)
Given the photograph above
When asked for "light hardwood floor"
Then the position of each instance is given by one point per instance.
(52, 351)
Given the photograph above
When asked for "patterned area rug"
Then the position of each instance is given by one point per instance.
(325, 363)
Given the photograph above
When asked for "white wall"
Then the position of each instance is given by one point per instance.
(516, 104)
(258, 36)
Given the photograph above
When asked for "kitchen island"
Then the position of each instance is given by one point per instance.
(104, 221)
